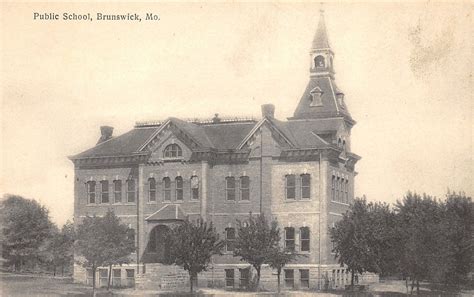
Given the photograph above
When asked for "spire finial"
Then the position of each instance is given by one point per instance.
(320, 38)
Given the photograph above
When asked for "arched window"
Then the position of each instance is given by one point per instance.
(347, 191)
(244, 188)
(172, 151)
(290, 238)
(117, 191)
(230, 188)
(333, 188)
(194, 187)
(316, 99)
(338, 185)
(339, 142)
(151, 190)
(91, 192)
(290, 186)
(304, 239)
(305, 186)
(131, 191)
(179, 188)
(104, 191)
(166, 189)
(344, 145)
(229, 239)
(319, 62)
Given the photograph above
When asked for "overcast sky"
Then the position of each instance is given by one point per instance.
(406, 71)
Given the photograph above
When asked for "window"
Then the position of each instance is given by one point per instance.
(179, 188)
(194, 188)
(244, 278)
(290, 186)
(319, 61)
(289, 278)
(347, 191)
(130, 277)
(305, 239)
(91, 192)
(316, 99)
(338, 185)
(166, 189)
(230, 188)
(117, 277)
(305, 186)
(151, 190)
(131, 191)
(90, 275)
(103, 277)
(229, 239)
(104, 191)
(290, 238)
(333, 188)
(172, 151)
(229, 278)
(304, 278)
(244, 188)
(344, 145)
(117, 191)
(340, 99)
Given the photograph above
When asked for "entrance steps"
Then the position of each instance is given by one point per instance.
(162, 277)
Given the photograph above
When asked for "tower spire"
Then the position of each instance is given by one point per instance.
(320, 40)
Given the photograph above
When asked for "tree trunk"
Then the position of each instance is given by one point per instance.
(62, 270)
(352, 278)
(93, 281)
(417, 287)
(191, 281)
(278, 277)
(258, 279)
(110, 275)
(54, 270)
(406, 283)
(412, 285)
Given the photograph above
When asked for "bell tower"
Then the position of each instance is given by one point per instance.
(322, 99)
(320, 53)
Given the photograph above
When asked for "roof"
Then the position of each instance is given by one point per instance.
(330, 107)
(228, 136)
(320, 39)
(302, 133)
(168, 212)
(125, 144)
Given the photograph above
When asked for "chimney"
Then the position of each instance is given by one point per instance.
(268, 110)
(105, 133)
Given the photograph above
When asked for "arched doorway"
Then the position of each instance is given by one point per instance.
(157, 250)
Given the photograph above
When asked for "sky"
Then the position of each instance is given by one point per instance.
(405, 69)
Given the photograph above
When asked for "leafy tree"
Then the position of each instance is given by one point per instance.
(256, 240)
(26, 226)
(62, 247)
(364, 239)
(118, 242)
(103, 241)
(192, 246)
(423, 238)
(459, 222)
(277, 259)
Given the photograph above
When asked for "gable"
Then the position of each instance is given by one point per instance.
(167, 138)
(278, 136)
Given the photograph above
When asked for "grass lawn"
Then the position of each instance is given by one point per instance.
(37, 285)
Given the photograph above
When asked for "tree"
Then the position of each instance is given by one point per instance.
(363, 239)
(277, 259)
(192, 246)
(118, 242)
(255, 241)
(26, 226)
(459, 222)
(103, 241)
(62, 247)
(423, 240)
